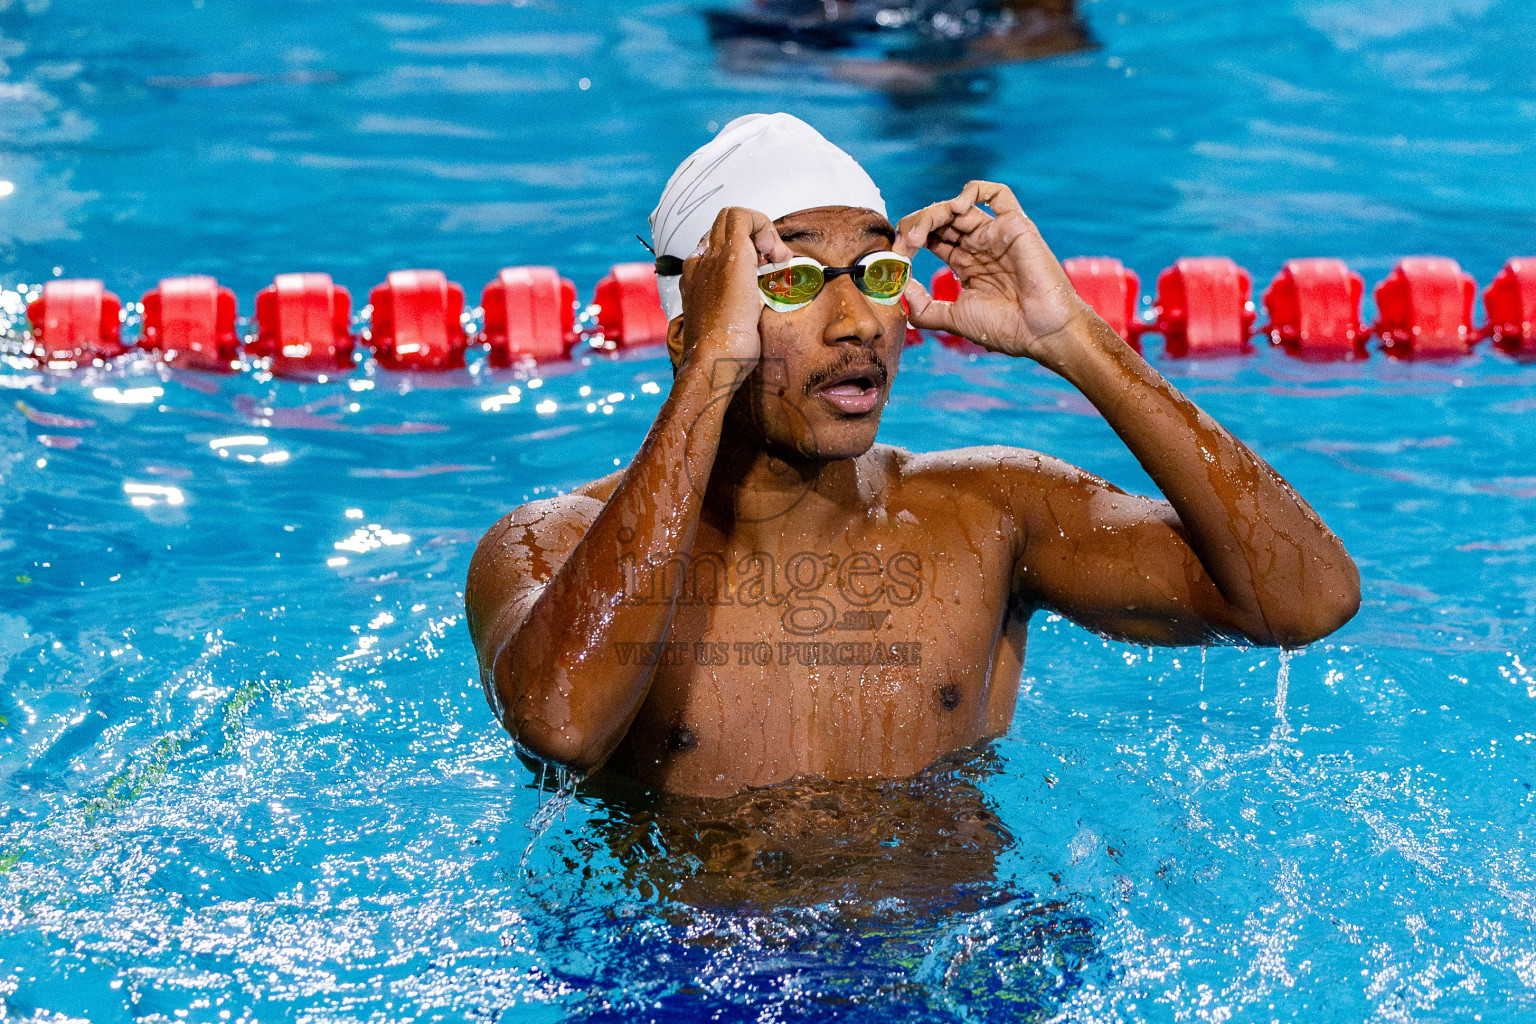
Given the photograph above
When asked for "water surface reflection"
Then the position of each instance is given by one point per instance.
(809, 883)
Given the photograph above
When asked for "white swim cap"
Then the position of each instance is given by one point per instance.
(773, 163)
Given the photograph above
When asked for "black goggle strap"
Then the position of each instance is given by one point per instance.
(672, 266)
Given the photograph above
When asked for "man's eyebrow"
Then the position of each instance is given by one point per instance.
(815, 237)
(802, 235)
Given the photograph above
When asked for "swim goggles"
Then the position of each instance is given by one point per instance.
(795, 283)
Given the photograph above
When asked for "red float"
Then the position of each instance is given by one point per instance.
(944, 286)
(416, 321)
(1314, 309)
(629, 306)
(1424, 308)
(75, 321)
(190, 321)
(304, 323)
(1510, 302)
(530, 313)
(1111, 290)
(1203, 307)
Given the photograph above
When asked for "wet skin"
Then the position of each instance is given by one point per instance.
(765, 593)
(810, 842)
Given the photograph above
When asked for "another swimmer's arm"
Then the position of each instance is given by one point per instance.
(565, 646)
(1234, 547)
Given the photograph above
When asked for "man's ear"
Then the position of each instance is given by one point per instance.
(675, 341)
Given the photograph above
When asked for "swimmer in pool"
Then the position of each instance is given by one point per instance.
(766, 593)
(914, 49)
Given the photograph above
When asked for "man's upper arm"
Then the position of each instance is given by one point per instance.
(1115, 562)
(515, 561)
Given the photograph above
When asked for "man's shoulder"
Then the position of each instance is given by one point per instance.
(602, 488)
(580, 502)
(547, 522)
(966, 483)
(982, 466)
(524, 546)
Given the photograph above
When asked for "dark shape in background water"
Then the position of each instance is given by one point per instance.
(910, 51)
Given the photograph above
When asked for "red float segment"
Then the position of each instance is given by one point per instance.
(1510, 302)
(1314, 309)
(416, 321)
(304, 325)
(629, 306)
(190, 321)
(944, 286)
(1424, 308)
(74, 321)
(530, 313)
(1204, 307)
(1111, 290)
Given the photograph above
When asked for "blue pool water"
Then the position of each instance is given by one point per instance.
(242, 780)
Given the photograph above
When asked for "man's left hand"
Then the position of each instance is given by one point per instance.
(1014, 298)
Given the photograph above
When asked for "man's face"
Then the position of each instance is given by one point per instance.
(826, 369)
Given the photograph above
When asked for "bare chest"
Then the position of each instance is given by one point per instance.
(836, 662)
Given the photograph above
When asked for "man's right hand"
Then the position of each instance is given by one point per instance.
(546, 590)
(720, 293)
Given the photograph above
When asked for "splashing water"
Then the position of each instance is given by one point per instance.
(552, 809)
(1282, 730)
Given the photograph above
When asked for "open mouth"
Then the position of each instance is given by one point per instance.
(854, 391)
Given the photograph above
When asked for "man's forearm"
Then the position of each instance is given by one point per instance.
(1275, 562)
(566, 694)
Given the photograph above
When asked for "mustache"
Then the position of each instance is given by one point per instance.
(861, 361)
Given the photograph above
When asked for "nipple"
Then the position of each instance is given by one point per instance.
(681, 738)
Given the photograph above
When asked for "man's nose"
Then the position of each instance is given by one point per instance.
(852, 319)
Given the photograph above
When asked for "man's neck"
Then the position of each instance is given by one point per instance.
(757, 496)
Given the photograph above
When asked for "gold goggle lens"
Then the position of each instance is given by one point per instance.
(792, 286)
(881, 276)
(884, 279)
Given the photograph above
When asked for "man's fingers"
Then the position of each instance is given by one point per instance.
(719, 232)
(738, 225)
(992, 194)
(966, 199)
(997, 196)
(947, 221)
(972, 224)
(911, 233)
(735, 228)
(913, 230)
(765, 238)
(946, 251)
(924, 312)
